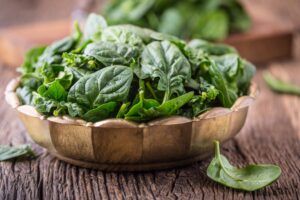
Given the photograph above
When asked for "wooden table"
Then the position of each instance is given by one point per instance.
(271, 135)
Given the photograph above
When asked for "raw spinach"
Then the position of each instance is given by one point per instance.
(133, 73)
(281, 86)
(108, 84)
(165, 61)
(20, 151)
(207, 19)
(249, 178)
(109, 53)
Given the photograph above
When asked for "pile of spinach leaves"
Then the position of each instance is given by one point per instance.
(128, 72)
(206, 19)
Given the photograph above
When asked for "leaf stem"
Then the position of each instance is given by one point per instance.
(218, 156)
(151, 90)
(166, 96)
(141, 90)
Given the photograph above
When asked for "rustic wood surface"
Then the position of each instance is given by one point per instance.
(271, 135)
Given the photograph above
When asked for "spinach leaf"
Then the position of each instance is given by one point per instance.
(211, 25)
(94, 26)
(165, 61)
(169, 107)
(81, 61)
(101, 112)
(249, 178)
(25, 95)
(52, 54)
(31, 80)
(108, 84)
(20, 151)
(74, 109)
(127, 11)
(216, 78)
(121, 36)
(109, 53)
(211, 19)
(31, 57)
(43, 104)
(53, 90)
(123, 110)
(172, 22)
(280, 86)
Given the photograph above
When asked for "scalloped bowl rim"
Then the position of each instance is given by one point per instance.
(14, 102)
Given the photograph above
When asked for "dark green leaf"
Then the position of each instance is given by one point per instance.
(108, 84)
(249, 178)
(165, 61)
(20, 151)
(280, 86)
(109, 53)
(103, 111)
(94, 27)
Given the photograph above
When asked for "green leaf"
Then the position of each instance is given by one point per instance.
(169, 107)
(163, 60)
(211, 25)
(119, 35)
(82, 61)
(102, 112)
(31, 57)
(172, 22)
(53, 90)
(20, 151)
(108, 84)
(280, 86)
(249, 178)
(123, 12)
(31, 80)
(109, 53)
(123, 110)
(94, 27)
(25, 95)
(44, 105)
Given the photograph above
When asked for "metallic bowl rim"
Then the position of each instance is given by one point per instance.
(242, 102)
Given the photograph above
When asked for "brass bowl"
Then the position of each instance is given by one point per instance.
(117, 144)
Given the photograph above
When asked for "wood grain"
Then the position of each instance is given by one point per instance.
(271, 135)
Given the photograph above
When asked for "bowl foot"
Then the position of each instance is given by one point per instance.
(131, 167)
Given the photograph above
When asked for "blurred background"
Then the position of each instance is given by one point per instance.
(13, 12)
(18, 13)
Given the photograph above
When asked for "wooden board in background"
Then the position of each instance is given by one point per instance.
(16, 40)
(268, 39)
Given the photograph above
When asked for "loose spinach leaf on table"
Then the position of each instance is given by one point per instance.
(20, 151)
(281, 86)
(249, 178)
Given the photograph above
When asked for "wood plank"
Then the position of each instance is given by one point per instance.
(270, 135)
(15, 41)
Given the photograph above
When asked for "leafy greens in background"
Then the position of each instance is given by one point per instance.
(129, 72)
(206, 19)
(280, 86)
(249, 178)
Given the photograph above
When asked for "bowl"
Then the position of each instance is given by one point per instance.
(121, 145)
